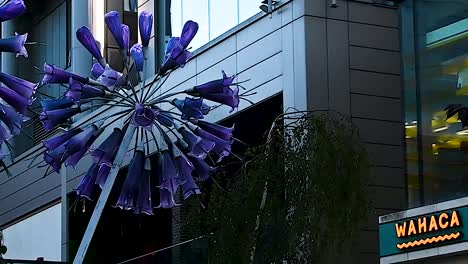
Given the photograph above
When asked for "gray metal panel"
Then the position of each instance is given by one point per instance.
(338, 66)
(381, 196)
(384, 155)
(373, 218)
(299, 90)
(258, 30)
(370, 14)
(29, 206)
(374, 36)
(375, 84)
(373, 107)
(288, 61)
(258, 51)
(217, 53)
(382, 132)
(316, 64)
(386, 176)
(340, 12)
(310, 8)
(374, 60)
(18, 197)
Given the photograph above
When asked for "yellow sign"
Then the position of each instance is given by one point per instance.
(429, 224)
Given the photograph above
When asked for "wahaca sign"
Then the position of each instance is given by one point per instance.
(422, 232)
(425, 224)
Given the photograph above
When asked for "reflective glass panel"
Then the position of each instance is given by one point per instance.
(437, 147)
(223, 16)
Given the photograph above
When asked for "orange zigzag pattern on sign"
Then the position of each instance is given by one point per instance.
(429, 240)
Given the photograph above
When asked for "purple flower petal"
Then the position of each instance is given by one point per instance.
(11, 118)
(113, 23)
(184, 171)
(56, 157)
(129, 194)
(183, 165)
(74, 158)
(20, 86)
(190, 187)
(78, 91)
(52, 118)
(87, 188)
(102, 175)
(12, 9)
(145, 22)
(81, 140)
(176, 55)
(222, 147)
(86, 38)
(143, 203)
(216, 86)
(57, 75)
(167, 170)
(202, 169)
(137, 54)
(126, 36)
(168, 180)
(191, 108)
(20, 103)
(55, 142)
(198, 146)
(189, 31)
(144, 116)
(215, 129)
(105, 153)
(230, 97)
(97, 70)
(112, 78)
(15, 45)
(166, 198)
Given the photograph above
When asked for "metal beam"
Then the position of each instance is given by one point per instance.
(64, 206)
(106, 190)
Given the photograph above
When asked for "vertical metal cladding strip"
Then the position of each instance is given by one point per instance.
(93, 222)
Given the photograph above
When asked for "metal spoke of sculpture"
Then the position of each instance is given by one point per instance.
(147, 118)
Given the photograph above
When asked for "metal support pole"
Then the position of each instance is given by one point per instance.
(64, 206)
(106, 190)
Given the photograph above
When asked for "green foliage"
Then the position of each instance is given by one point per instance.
(3, 248)
(299, 198)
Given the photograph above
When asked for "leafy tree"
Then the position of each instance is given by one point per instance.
(3, 248)
(299, 198)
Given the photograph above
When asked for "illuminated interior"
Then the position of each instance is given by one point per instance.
(435, 75)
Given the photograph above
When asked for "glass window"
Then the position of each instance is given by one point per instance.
(247, 9)
(220, 20)
(197, 10)
(214, 16)
(436, 76)
(36, 236)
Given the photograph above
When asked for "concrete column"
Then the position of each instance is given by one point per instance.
(64, 207)
(81, 60)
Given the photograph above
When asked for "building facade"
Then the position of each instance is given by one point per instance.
(367, 59)
(433, 47)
